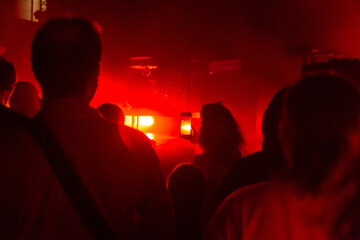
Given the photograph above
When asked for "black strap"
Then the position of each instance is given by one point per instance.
(70, 181)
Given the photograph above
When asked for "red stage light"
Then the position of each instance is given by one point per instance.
(150, 136)
(144, 67)
(146, 121)
(137, 67)
(141, 123)
(138, 122)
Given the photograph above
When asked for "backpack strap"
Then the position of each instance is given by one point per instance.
(70, 181)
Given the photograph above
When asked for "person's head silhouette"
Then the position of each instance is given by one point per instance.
(7, 79)
(187, 185)
(320, 118)
(25, 99)
(219, 130)
(65, 56)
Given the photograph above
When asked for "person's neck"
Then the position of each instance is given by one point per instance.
(65, 101)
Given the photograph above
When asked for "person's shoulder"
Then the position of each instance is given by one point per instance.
(245, 211)
(245, 171)
(185, 171)
(5, 111)
(254, 155)
(253, 159)
(134, 139)
(8, 117)
(12, 123)
(133, 135)
(14, 137)
(257, 192)
(198, 160)
(238, 211)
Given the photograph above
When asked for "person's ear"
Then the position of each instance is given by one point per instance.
(91, 89)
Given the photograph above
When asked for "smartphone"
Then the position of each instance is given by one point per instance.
(185, 125)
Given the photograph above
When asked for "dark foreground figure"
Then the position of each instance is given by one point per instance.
(261, 165)
(127, 188)
(220, 140)
(187, 185)
(7, 84)
(320, 137)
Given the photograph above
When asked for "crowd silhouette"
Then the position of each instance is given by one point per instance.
(69, 171)
(319, 134)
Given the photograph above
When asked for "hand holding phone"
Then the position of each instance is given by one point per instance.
(185, 125)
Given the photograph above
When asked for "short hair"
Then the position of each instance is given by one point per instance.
(324, 110)
(7, 75)
(219, 129)
(65, 54)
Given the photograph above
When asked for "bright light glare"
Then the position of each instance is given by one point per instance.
(128, 120)
(135, 122)
(186, 127)
(150, 136)
(146, 120)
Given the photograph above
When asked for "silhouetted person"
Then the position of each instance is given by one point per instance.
(187, 186)
(320, 136)
(112, 112)
(7, 83)
(128, 187)
(134, 139)
(220, 139)
(262, 165)
(25, 99)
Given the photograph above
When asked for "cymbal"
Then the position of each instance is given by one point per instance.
(140, 58)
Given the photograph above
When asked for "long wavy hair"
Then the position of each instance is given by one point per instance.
(219, 131)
